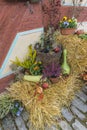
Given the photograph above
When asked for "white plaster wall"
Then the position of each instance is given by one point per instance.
(69, 2)
(20, 48)
(83, 26)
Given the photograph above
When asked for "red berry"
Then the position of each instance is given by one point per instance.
(57, 49)
(45, 85)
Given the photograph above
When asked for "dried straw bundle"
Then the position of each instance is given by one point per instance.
(45, 112)
(77, 52)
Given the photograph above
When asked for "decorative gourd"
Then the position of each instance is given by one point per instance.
(32, 78)
(65, 67)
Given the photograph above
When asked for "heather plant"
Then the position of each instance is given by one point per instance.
(52, 70)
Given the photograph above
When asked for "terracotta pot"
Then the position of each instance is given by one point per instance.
(54, 80)
(67, 31)
(78, 32)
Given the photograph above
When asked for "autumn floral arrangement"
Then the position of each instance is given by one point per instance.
(68, 22)
(34, 88)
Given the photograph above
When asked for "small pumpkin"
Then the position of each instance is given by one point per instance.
(39, 90)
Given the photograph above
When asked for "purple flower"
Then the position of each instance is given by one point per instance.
(21, 109)
(66, 24)
(52, 70)
(18, 113)
(16, 104)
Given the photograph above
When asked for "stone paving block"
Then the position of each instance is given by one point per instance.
(82, 96)
(78, 113)
(25, 115)
(78, 126)
(86, 123)
(79, 104)
(68, 115)
(84, 89)
(20, 123)
(28, 124)
(46, 128)
(64, 125)
(0, 127)
(8, 123)
(51, 128)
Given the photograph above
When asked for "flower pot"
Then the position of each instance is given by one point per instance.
(54, 80)
(67, 31)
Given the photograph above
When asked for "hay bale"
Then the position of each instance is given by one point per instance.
(45, 112)
(77, 52)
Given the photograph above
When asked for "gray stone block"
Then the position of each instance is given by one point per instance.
(82, 96)
(0, 127)
(20, 123)
(28, 124)
(67, 114)
(78, 126)
(84, 89)
(79, 104)
(51, 128)
(77, 113)
(64, 125)
(25, 115)
(8, 123)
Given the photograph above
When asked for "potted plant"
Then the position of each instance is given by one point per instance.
(48, 50)
(68, 25)
(36, 68)
(52, 72)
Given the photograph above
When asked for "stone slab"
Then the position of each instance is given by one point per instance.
(20, 123)
(78, 126)
(8, 123)
(78, 113)
(82, 96)
(79, 104)
(64, 125)
(67, 114)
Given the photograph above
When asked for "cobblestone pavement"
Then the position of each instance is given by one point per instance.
(75, 116)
